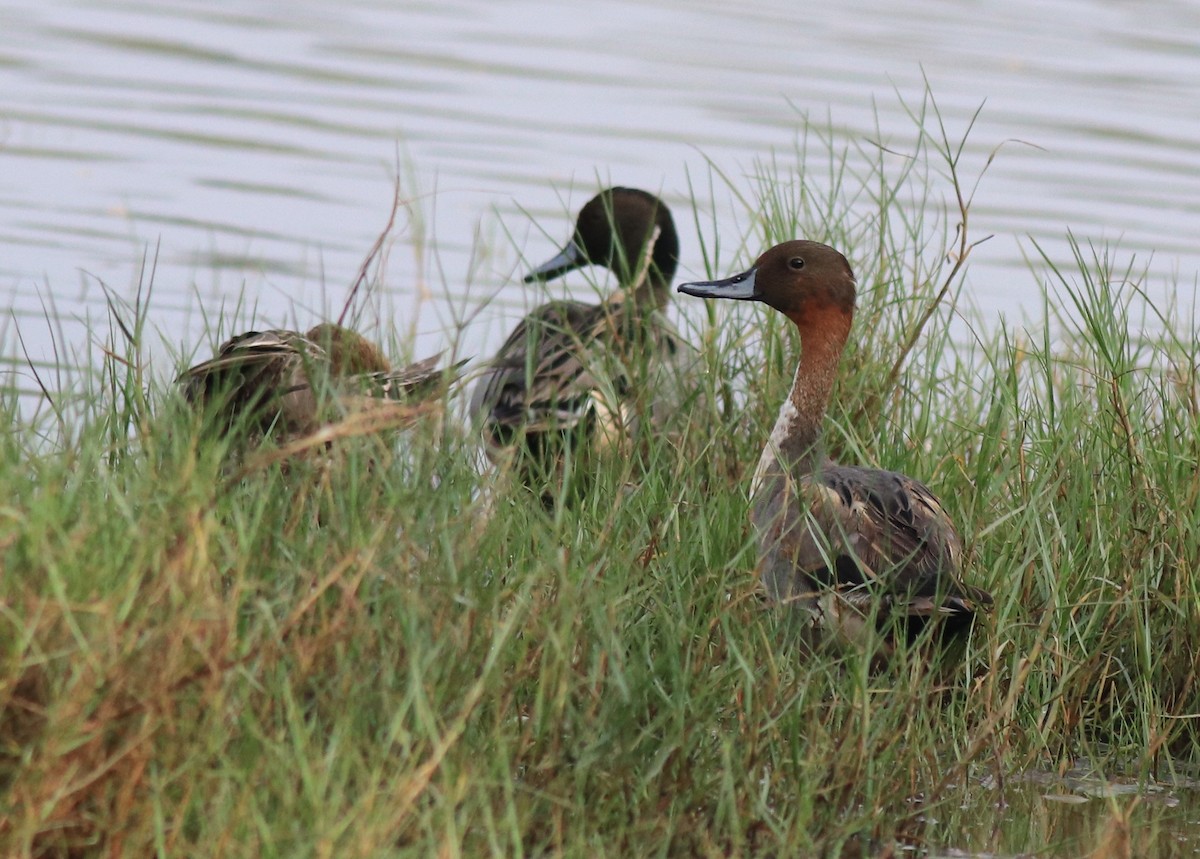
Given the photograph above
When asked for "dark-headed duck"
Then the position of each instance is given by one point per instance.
(574, 376)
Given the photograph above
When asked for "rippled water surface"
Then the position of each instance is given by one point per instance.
(252, 147)
(249, 149)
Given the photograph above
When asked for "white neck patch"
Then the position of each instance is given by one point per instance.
(785, 425)
(643, 270)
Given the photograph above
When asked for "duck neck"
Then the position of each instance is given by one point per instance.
(650, 281)
(795, 444)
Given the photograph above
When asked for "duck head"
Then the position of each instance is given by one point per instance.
(615, 229)
(349, 352)
(804, 280)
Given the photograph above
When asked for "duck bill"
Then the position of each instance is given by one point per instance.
(741, 287)
(568, 259)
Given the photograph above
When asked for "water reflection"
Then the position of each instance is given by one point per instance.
(1069, 814)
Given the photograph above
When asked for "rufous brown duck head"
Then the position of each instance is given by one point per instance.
(806, 281)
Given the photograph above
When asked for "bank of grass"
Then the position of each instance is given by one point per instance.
(399, 657)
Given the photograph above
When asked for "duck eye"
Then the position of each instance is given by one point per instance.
(796, 263)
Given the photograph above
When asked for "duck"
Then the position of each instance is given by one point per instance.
(274, 383)
(865, 555)
(574, 379)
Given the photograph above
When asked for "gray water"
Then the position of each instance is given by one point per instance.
(252, 147)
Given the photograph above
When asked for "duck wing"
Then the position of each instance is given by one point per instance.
(368, 403)
(418, 381)
(251, 366)
(543, 376)
(874, 538)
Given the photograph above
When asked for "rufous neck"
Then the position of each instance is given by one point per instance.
(795, 443)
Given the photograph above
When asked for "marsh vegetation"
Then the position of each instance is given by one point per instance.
(402, 657)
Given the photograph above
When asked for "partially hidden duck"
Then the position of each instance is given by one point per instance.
(285, 384)
(575, 378)
(850, 546)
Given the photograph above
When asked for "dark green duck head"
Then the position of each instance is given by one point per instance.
(621, 229)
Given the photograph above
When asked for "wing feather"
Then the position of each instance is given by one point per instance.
(878, 539)
(265, 381)
(562, 366)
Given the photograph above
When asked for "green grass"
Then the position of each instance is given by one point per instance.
(401, 658)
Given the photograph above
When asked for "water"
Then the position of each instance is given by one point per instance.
(1078, 812)
(253, 146)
